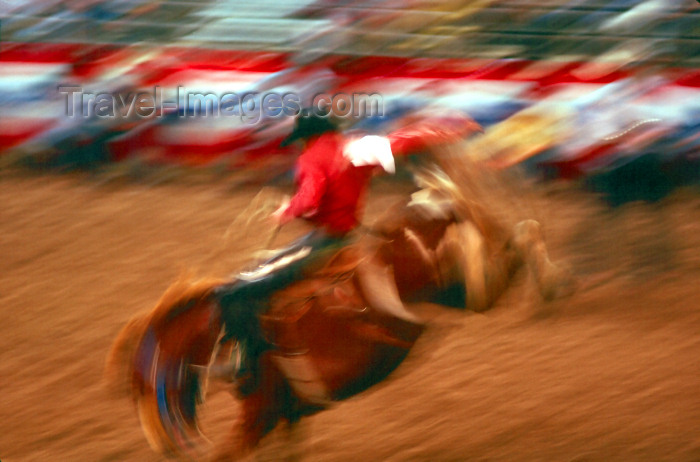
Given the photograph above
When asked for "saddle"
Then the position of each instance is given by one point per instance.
(327, 337)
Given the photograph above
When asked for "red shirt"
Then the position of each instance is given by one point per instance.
(330, 190)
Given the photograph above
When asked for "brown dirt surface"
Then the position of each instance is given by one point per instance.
(611, 374)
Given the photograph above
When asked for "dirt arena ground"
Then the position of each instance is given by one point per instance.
(612, 374)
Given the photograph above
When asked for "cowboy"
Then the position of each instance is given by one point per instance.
(333, 175)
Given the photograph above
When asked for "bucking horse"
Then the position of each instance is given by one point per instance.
(341, 329)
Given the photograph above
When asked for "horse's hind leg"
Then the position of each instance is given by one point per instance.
(553, 281)
(259, 413)
(245, 435)
(293, 440)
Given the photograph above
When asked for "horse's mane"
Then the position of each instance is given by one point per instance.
(118, 366)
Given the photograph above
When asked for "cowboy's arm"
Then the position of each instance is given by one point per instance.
(311, 187)
(419, 135)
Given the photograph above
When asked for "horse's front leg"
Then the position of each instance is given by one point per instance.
(465, 256)
(553, 281)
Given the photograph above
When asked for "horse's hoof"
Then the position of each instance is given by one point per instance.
(558, 282)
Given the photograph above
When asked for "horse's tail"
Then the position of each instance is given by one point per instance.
(118, 369)
(155, 358)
